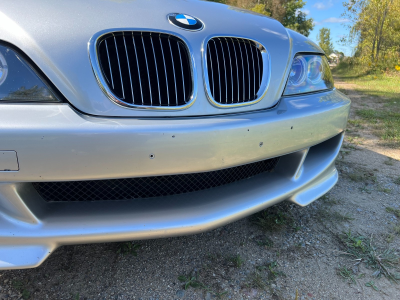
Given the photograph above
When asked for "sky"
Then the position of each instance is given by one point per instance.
(328, 13)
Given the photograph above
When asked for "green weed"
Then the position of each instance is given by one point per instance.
(273, 219)
(361, 248)
(236, 260)
(394, 211)
(346, 274)
(267, 243)
(20, 287)
(128, 248)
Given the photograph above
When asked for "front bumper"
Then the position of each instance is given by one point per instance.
(56, 143)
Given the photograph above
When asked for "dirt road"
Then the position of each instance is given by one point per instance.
(300, 257)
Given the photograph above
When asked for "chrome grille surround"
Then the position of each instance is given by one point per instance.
(102, 81)
(231, 57)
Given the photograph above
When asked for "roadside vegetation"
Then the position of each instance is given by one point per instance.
(288, 12)
(383, 118)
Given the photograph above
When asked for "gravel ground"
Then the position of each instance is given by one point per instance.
(299, 258)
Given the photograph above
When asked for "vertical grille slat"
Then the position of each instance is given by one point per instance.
(183, 77)
(241, 59)
(147, 67)
(138, 69)
(254, 71)
(237, 71)
(145, 71)
(238, 65)
(230, 63)
(119, 68)
(129, 69)
(109, 64)
(226, 81)
(248, 69)
(173, 70)
(258, 54)
(210, 70)
(165, 70)
(219, 73)
(155, 63)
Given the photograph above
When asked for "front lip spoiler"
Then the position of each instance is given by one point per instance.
(301, 177)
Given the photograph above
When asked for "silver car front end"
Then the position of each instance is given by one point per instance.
(90, 137)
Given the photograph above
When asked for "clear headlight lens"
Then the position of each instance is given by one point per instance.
(309, 73)
(19, 82)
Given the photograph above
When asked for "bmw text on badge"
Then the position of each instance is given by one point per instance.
(185, 21)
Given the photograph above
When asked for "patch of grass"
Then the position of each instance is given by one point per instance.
(380, 260)
(362, 175)
(191, 281)
(273, 273)
(389, 161)
(386, 89)
(383, 189)
(128, 248)
(384, 85)
(356, 140)
(333, 216)
(267, 242)
(76, 296)
(326, 213)
(386, 124)
(389, 238)
(364, 189)
(356, 123)
(263, 275)
(349, 146)
(236, 260)
(256, 280)
(20, 287)
(397, 180)
(372, 285)
(394, 211)
(346, 274)
(330, 201)
(273, 219)
(396, 229)
(213, 257)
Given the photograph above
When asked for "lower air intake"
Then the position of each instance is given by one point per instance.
(148, 187)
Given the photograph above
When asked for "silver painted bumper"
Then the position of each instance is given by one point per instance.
(55, 143)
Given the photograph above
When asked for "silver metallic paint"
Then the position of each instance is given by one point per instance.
(31, 229)
(59, 46)
(62, 142)
(55, 143)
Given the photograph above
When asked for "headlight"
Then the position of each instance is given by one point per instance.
(19, 82)
(309, 73)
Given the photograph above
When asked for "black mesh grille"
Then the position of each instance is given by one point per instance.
(146, 68)
(235, 69)
(148, 187)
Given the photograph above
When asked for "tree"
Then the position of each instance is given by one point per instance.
(375, 30)
(288, 12)
(295, 19)
(324, 40)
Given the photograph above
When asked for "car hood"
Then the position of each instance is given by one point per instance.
(55, 35)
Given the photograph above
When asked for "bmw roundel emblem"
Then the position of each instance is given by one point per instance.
(185, 21)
